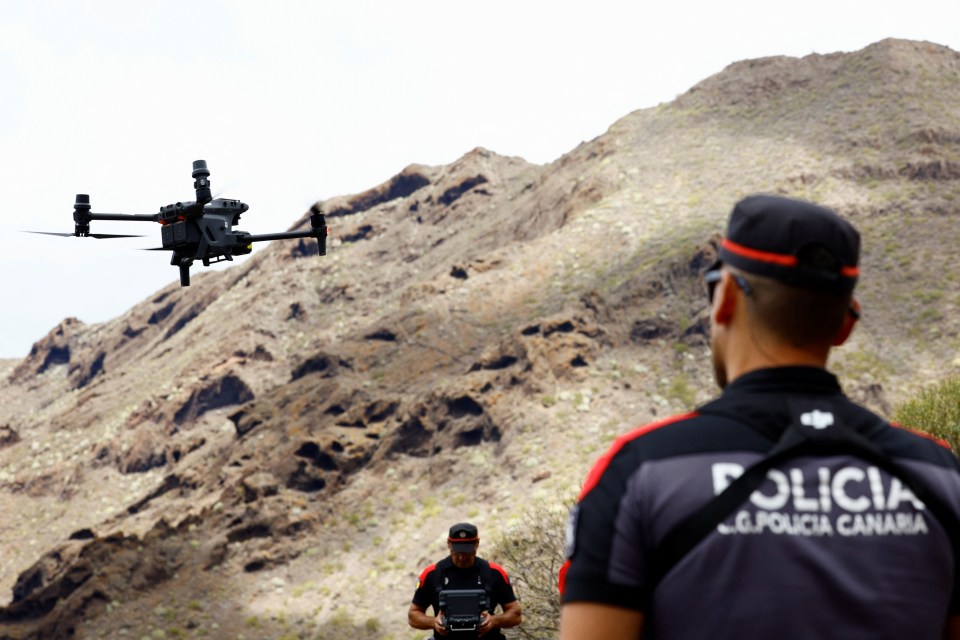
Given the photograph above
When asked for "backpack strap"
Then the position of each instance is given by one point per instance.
(441, 570)
(486, 574)
(799, 439)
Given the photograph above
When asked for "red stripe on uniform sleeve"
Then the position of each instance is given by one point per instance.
(924, 434)
(562, 577)
(604, 461)
(426, 572)
(501, 571)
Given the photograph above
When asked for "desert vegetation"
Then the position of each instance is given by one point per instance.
(934, 410)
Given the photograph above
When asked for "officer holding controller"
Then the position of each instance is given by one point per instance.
(457, 579)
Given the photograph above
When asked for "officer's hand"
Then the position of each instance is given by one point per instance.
(486, 623)
(438, 625)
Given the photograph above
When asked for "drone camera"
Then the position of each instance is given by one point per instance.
(168, 214)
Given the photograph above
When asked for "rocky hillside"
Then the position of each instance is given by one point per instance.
(275, 451)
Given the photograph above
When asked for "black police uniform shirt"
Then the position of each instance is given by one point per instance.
(828, 547)
(499, 590)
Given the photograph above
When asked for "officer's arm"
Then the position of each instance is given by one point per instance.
(509, 617)
(418, 619)
(594, 621)
(952, 631)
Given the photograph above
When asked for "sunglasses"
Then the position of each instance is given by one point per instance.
(712, 278)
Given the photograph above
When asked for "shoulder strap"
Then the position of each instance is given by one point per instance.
(797, 440)
(441, 571)
(486, 575)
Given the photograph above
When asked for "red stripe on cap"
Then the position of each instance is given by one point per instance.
(473, 539)
(601, 465)
(781, 259)
(763, 256)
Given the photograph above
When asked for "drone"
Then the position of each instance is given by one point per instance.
(196, 230)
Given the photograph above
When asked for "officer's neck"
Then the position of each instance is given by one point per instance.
(749, 348)
(472, 564)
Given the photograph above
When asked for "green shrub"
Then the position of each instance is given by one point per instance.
(935, 410)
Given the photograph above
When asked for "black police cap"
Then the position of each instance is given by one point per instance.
(794, 241)
(463, 536)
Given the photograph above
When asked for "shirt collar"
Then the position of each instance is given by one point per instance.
(786, 379)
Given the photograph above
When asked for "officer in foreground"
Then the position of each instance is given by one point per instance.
(781, 509)
(464, 591)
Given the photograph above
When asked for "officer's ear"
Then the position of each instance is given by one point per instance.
(726, 299)
(849, 321)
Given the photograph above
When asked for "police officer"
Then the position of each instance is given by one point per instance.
(781, 509)
(462, 569)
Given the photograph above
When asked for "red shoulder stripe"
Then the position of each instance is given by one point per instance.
(562, 577)
(924, 434)
(426, 572)
(604, 461)
(501, 570)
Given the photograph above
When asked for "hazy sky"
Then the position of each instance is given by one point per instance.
(293, 102)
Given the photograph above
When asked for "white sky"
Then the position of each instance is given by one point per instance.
(291, 102)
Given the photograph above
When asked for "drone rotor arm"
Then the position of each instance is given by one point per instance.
(83, 217)
(125, 217)
(318, 229)
(286, 235)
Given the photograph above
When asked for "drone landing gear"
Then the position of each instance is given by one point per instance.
(184, 263)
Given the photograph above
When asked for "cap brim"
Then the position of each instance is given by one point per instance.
(463, 547)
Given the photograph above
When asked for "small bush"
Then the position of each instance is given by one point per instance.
(532, 552)
(935, 410)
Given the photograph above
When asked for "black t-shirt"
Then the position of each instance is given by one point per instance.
(444, 575)
(828, 546)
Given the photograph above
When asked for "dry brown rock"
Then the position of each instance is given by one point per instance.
(52, 350)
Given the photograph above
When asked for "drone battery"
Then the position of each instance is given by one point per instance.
(175, 234)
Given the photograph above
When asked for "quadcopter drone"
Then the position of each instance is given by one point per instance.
(200, 230)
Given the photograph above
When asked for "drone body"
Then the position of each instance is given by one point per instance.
(198, 230)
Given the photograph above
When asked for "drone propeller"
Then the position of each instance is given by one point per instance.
(99, 236)
(107, 236)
